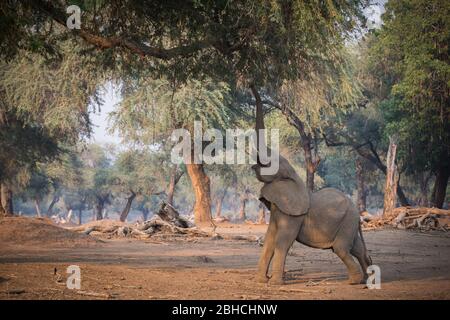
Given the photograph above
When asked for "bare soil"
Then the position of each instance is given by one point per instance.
(24, 231)
(413, 265)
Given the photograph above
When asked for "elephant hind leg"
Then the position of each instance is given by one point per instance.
(359, 252)
(354, 273)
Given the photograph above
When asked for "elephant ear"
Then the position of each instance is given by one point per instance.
(290, 196)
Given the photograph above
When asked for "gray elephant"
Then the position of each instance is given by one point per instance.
(326, 219)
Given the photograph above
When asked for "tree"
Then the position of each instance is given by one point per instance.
(38, 187)
(410, 57)
(43, 112)
(259, 45)
(99, 178)
(23, 145)
(222, 179)
(141, 173)
(152, 109)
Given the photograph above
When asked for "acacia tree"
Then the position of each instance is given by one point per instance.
(99, 178)
(144, 174)
(223, 177)
(259, 43)
(152, 109)
(45, 105)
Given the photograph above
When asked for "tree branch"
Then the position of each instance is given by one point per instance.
(102, 42)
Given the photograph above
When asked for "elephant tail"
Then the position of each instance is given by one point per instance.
(368, 258)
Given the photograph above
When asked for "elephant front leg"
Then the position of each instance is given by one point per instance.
(267, 253)
(287, 231)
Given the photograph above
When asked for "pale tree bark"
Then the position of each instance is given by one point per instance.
(105, 213)
(390, 190)
(367, 151)
(361, 202)
(36, 205)
(69, 215)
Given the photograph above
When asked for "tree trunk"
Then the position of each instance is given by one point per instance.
(69, 216)
(219, 203)
(360, 186)
(201, 185)
(375, 159)
(367, 151)
(424, 179)
(38, 210)
(306, 142)
(440, 186)
(311, 165)
(145, 213)
(7, 200)
(2, 211)
(52, 204)
(175, 176)
(262, 214)
(80, 216)
(99, 210)
(242, 216)
(390, 190)
(126, 210)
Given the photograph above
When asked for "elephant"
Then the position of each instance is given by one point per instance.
(326, 219)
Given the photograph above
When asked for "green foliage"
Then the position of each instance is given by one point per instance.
(152, 109)
(56, 95)
(45, 106)
(410, 57)
(141, 172)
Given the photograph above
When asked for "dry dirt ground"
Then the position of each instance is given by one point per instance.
(413, 265)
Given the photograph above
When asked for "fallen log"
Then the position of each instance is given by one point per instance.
(167, 223)
(412, 218)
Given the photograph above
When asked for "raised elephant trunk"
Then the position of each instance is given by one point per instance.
(260, 139)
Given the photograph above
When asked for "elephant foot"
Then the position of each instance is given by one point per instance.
(262, 279)
(356, 278)
(276, 280)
